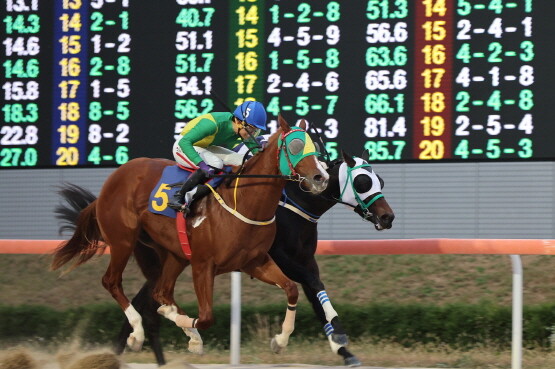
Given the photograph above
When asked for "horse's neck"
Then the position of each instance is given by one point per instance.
(256, 198)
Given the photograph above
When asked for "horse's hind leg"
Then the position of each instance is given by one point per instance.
(148, 260)
(305, 271)
(145, 306)
(269, 272)
(121, 238)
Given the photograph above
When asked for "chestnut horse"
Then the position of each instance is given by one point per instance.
(293, 248)
(222, 240)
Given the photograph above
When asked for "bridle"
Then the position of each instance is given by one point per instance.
(290, 173)
(282, 147)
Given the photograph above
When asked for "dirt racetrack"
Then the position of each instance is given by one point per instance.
(20, 358)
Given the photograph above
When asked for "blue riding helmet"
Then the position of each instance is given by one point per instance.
(253, 113)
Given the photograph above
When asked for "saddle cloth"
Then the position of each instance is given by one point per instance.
(163, 192)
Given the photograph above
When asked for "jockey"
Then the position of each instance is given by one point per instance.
(205, 145)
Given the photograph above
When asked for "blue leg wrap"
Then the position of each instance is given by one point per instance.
(328, 329)
(323, 297)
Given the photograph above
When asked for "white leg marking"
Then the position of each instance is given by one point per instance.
(168, 312)
(137, 337)
(287, 328)
(186, 323)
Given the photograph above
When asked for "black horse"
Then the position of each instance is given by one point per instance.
(352, 182)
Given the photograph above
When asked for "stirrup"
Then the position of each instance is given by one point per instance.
(175, 204)
(185, 209)
(182, 208)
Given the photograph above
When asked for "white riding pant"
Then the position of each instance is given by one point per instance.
(215, 156)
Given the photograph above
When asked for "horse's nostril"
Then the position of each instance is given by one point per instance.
(387, 218)
(318, 178)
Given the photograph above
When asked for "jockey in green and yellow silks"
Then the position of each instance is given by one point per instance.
(205, 145)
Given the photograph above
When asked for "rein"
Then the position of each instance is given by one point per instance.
(235, 213)
(293, 176)
(239, 175)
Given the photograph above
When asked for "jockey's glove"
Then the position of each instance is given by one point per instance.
(263, 144)
(206, 169)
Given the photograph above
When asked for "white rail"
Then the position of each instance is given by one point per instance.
(512, 247)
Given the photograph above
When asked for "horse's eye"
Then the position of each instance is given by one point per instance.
(362, 183)
(296, 146)
(382, 183)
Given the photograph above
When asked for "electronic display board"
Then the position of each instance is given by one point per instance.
(99, 82)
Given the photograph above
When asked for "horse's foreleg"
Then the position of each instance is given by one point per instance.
(269, 272)
(306, 272)
(203, 280)
(333, 329)
(163, 294)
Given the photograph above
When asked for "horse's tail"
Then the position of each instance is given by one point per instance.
(79, 215)
(76, 199)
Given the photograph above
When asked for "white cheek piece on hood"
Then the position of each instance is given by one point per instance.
(348, 193)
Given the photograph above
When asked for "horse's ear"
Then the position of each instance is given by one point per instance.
(283, 124)
(348, 159)
(303, 124)
(365, 155)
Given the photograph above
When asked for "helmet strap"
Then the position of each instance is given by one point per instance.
(242, 126)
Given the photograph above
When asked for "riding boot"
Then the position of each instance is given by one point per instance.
(199, 193)
(178, 202)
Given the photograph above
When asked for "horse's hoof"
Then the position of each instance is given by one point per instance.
(276, 348)
(196, 347)
(134, 343)
(195, 342)
(340, 339)
(352, 361)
